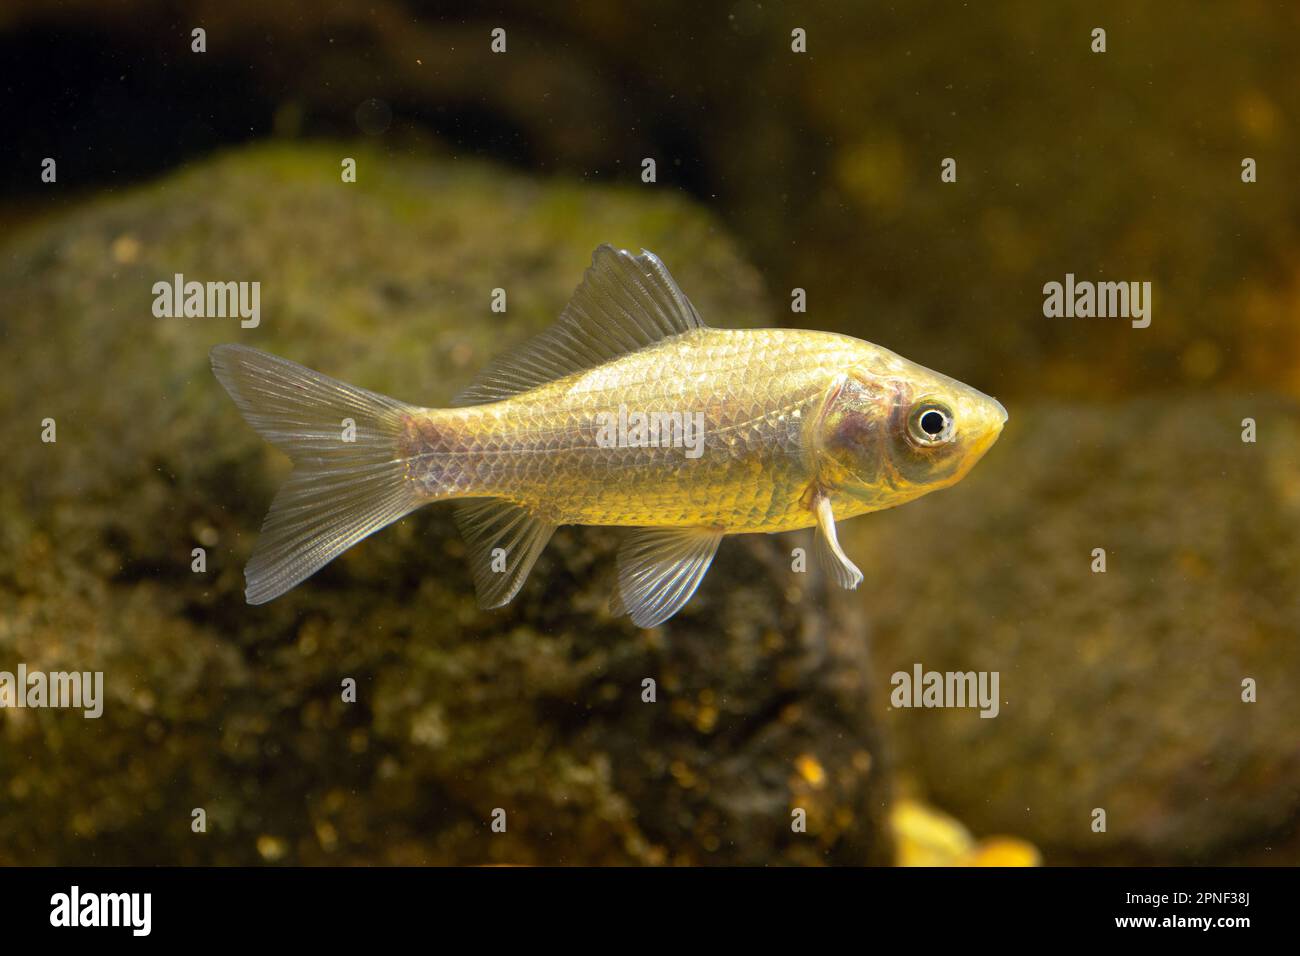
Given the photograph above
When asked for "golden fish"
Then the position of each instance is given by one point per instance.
(628, 411)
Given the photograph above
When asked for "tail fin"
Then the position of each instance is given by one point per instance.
(344, 486)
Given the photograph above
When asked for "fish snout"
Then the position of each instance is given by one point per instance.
(986, 417)
(1002, 411)
(984, 413)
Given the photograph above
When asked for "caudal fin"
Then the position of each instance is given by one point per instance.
(349, 478)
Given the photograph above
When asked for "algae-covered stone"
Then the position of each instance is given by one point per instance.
(1120, 690)
(538, 710)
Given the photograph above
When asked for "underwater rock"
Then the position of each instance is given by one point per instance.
(1121, 690)
(762, 687)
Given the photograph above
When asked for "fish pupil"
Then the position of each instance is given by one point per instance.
(932, 423)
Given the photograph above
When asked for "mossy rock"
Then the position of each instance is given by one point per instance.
(762, 682)
(1122, 690)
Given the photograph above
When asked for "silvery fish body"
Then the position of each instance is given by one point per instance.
(629, 411)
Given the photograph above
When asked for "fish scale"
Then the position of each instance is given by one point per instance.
(757, 390)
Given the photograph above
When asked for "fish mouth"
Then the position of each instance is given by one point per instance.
(990, 416)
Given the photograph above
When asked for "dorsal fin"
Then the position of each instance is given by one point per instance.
(624, 303)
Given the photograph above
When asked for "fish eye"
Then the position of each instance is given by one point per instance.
(931, 423)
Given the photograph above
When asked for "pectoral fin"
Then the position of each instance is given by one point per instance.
(660, 568)
(834, 559)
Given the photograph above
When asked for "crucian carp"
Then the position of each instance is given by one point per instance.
(790, 429)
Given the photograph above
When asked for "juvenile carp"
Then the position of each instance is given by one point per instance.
(628, 411)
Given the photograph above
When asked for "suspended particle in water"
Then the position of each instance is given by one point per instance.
(374, 117)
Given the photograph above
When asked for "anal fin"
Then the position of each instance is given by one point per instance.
(488, 525)
(660, 568)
